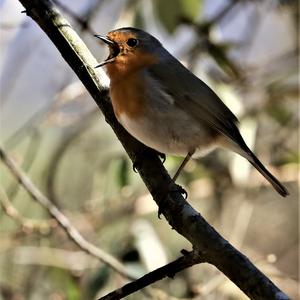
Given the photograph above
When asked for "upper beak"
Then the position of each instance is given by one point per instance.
(104, 39)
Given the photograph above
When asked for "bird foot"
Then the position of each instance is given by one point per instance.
(147, 152)
(162, 156)
(176, 188)
(172, 188)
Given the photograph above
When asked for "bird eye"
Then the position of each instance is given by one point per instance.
(132, 42)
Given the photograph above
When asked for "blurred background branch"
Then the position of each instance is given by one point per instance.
(61, 219)
(28, 225)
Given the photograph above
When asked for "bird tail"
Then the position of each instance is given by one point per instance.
(242, 149)
(262, 169)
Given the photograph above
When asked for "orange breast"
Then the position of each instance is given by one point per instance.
(128, 96)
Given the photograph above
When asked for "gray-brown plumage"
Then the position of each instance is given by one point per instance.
(165, 106)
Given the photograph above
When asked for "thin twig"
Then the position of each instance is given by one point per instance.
(61, 219)
(28, 225)
(169, 270)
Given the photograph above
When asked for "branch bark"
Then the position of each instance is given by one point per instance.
(209, 244)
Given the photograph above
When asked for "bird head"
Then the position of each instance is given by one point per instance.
(129, 50)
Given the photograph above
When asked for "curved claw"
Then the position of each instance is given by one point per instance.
(135, 167)
(184, 193)
(179, 189)
(184, 252)
(173, 188)
(162, 156)
(159, 213)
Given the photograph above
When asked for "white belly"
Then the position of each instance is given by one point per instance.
(177, 137)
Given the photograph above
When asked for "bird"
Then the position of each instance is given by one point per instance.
(165, 106)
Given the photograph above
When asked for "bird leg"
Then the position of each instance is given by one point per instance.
(184, 162)
(173, 186)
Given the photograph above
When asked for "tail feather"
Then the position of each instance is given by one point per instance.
(262, 169)
(239, 146)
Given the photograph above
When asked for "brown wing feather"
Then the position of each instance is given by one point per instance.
(194, 97)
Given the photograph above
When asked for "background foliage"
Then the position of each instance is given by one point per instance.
(246, 51)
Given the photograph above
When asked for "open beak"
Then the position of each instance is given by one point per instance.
(104, 39)
(113, 48)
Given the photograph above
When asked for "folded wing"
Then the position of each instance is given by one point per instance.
(194, 97)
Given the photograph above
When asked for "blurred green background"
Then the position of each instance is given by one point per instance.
(247, 52)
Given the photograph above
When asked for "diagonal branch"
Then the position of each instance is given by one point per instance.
(61, 219)
(181, 216)
(27, 225)
(188, 260)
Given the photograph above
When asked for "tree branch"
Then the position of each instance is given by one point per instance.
(61, 219)
(27, 225)
(210, 245)
(169, 270)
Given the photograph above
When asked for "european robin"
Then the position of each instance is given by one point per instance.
(165, 106)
